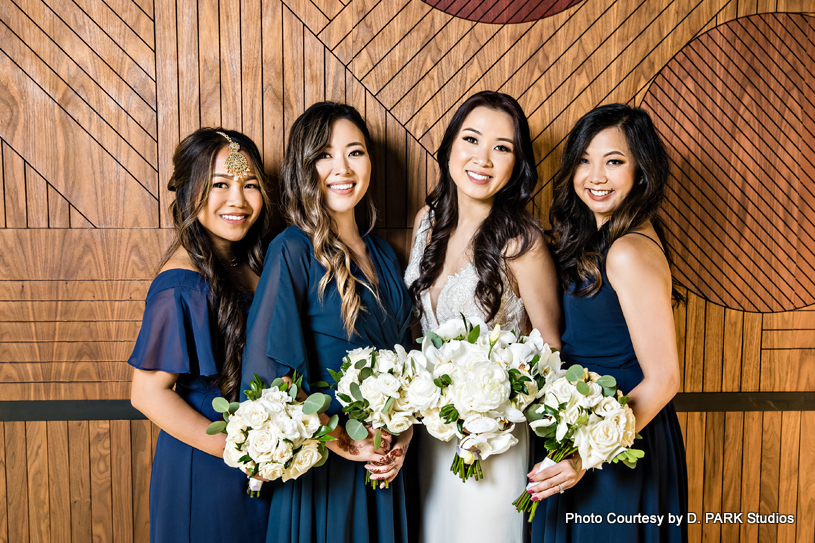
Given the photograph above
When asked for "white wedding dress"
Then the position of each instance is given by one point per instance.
(475, 511)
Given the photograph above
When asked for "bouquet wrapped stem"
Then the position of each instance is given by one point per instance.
(467, 466)
(524, 502)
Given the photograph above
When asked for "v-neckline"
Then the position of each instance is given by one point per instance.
(441, 292)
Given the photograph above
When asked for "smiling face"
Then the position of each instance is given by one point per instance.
(233, 205)
(344, 168)
(605, 174)
(482, 155)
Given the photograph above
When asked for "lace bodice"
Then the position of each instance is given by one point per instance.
(458, 293)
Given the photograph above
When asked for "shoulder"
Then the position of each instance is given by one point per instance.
(292, 241)
(381, 245)
(181, 280)
(536, 251)
(419, 219)
(632, 259)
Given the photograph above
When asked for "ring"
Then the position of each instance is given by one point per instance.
(561, 488)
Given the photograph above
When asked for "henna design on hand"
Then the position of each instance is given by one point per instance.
(347, 444)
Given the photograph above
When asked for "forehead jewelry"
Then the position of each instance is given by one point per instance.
(236, 163)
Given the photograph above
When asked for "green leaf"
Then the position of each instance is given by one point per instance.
(326, 404)
(583, 388)
(320, 384)
(373, 358)
(314, 403)
(356, 430)
(293, 391)
(220, 405)
(360, 364)
(446, 379)
(344, 397)
(332, 422)
(437, 382)
(216, 427)
(388, 405)
(234, 406)
(574, 373)
(334, 375)
(624, 400)
(356, 392)
(365, 373)
(324, 459)
(473, 335)
(226, 418)
(279, 382)
(609, 392)
(378, 438)
(607, 381)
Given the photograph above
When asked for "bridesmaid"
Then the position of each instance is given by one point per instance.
(478, 252)
(190, 345)
(329, 286)
(614, 267)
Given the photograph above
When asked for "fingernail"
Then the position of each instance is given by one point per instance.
(534, 498)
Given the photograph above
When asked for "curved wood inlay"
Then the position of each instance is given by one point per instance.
(502, 11)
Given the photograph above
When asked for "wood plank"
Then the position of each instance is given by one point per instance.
(137, 20)
(66, 371)
(171, 106)
(788, 370)
(36, 199)
(368, 17)
(229, 31)
(788, 339)
(2, 191)
(17, 482)
(713, 476)
(49, 290)
(789, 320)
(100, 464)
(121, 474)
(334, 78)
(69, 331)
(396, 192)
(340, 26)
(209, 62)
(71, 311)
(376, 119)
(680, 326)
(714, 346)
(81, 254)
(3, 488)
(770, 467)
(141, 459)
(329, 8)
(252, 71)
(417, 179)
(805, 517)
(77, 219)
(694, 344)
(314, 19)
(788, 472)
(146, 6)
(293, 88)
(313, 69)
(400, 239)
(79, 477)
(732, 471)
(182, 32)
(731, 351)
(274, 127)
(59, 214)
(695, 457)
(14, 185)
(751, 353)
(16, 392)
(751, 473)
(36, 438)
(59, 485)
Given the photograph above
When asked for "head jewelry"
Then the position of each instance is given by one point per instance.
(236, 164)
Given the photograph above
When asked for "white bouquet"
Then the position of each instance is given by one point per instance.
(483, 381)
(372, 387)
(581, 411)
(271, 434)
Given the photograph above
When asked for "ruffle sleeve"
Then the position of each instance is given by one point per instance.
(175, 333)
(275, 344)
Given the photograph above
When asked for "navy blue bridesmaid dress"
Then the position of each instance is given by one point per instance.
(608, 501)
(194, 496)
(291, 327)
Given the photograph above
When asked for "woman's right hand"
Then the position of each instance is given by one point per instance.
(362, 450)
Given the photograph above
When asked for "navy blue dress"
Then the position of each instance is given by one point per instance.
(597, 338)
(292, 328)
(194, 496)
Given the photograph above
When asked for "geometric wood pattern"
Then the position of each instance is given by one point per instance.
(502, 11)
(736, 108)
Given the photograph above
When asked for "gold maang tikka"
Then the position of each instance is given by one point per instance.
(236, 164)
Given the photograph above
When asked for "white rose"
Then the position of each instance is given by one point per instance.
(560, 391)
(598, 442)
(351, 375)
(447, 368)
(289, 429)
(423, 393)
(594, 396)
(627, 423)
(387, 361)
(303, 460)
(400, 422)
(478, 424)
(235, 428)
(274, 399)
(271, 471)
(387, 384)
(232, 453)
(253, 413)
(361, 353)
(436, 426)
(608, 407)
(370, 391)
(261, 442)
(402, 403)
(282, 453)
(488, 386)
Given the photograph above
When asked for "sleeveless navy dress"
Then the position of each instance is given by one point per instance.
(291, 327)
(597, 338)
(194, 496)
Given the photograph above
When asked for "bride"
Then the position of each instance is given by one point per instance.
(478, 252)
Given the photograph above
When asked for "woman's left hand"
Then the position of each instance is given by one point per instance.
(388, 466)
(555, 479)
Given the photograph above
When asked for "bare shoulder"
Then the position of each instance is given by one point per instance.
(538, 250)
(180, 260)
(417, 222)
(632, 259)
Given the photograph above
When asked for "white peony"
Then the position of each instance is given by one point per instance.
(303, 460)
(400, 422)
(487, 386)
(436, 426)
(423, 393)
(387, 384)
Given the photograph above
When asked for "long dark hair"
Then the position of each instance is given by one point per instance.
(191, 181)
(578, 246)
(303, 201)
(507, 221)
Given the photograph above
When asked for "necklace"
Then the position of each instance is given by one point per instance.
(232, 261)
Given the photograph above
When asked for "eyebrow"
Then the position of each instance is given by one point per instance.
(509, 140)
(615, 152)
(227, 176)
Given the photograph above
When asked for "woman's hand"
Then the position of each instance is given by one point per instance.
(555, 479)
(387, 467)
(362, 450)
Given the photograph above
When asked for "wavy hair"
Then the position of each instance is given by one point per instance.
(191, 181)
(508, 220)
(303, 201)
(578, 246)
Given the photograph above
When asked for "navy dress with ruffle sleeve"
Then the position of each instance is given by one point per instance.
(291, 327)
(194, 496)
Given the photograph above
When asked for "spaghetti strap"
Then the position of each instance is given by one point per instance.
(648, 237)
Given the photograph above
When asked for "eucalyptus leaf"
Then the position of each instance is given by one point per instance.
(234, 406)
(332, 422)
(360, 364)
(322, 460)
(356, 430)
(216, 427)
(583, 388)
(326, 404)
(279, 382)
(320, 384)
(608, 392)
(220, 405)
(293, 391)
(356, 392)
(435, 339)
(365, 373)
(387, 407)
(607, 381)
(313, 403)
(574, 373)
